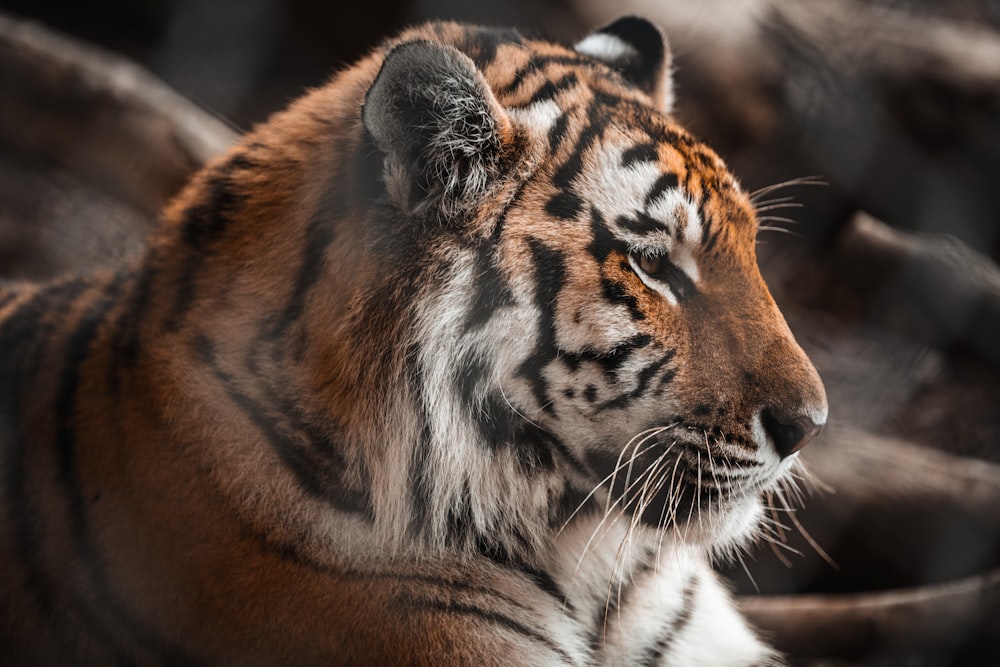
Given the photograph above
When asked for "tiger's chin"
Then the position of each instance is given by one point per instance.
(719, 526)
(723, 533)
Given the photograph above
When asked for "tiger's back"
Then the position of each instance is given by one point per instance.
(463, 358)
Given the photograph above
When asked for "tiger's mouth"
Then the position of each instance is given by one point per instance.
(678, 478)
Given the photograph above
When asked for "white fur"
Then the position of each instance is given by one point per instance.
(538, 117)
(605, 47)
(503, 498)
(596, 562)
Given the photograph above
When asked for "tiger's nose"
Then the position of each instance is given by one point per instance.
(789, 433)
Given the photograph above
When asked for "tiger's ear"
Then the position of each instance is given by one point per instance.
(639, 51)
(442, 132)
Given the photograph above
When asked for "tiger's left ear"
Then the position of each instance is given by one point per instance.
(639, 51)
(442, 132)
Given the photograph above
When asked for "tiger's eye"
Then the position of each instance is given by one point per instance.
(650, 265)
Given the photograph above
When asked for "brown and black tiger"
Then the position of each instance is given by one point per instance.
(464, 358)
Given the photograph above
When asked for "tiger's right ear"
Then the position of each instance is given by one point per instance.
(639, 51)
(440, 129)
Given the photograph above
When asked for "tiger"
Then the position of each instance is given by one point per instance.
(464, 358)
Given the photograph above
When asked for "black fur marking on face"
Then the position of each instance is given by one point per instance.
(640, 153)
(550, 276)
(502, 428)
(663, 183)
(492, 291)
(564, 205)
(550, 89)
(537, 64)
(603, 242)
(641, 224)
(615, 292)
(609, 361)
(643, 380)
(570, 169)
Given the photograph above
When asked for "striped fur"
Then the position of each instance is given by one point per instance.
(462, 359)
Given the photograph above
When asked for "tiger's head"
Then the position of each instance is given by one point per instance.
(592, 317)
(476, 284)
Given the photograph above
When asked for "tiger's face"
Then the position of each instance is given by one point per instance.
(599, 321)
(659, 358)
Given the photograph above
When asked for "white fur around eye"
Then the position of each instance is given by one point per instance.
(649, 281)
(680, 257)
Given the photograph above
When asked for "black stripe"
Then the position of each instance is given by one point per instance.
(642, 384)
(126, 337)
(204, 223)
(421, 483)
(24, 335)
(540, 578)
(641, 113)
(665, 379)
(564, 205)
(550, 275)
(675, 137)
(615, 292)
(619, 593)
(487, 616)
(319, 475)
(564, 176)
(654, 654)
(492, 290)
(289, 412)
(572, 501)
(318, 237)
(461, 528)
(435, 584)
(663, 183)
(639, 154)
(501, 427)
(558, 132)
(537, 63)
(709, 237)
(641, 224)
(550, 89)
(481, 44)
(77, 351)
(678, 281)
(603, 242)
(611, 360)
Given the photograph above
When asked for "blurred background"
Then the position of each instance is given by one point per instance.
(880, 122)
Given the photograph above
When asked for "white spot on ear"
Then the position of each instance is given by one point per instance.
(605, 47)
